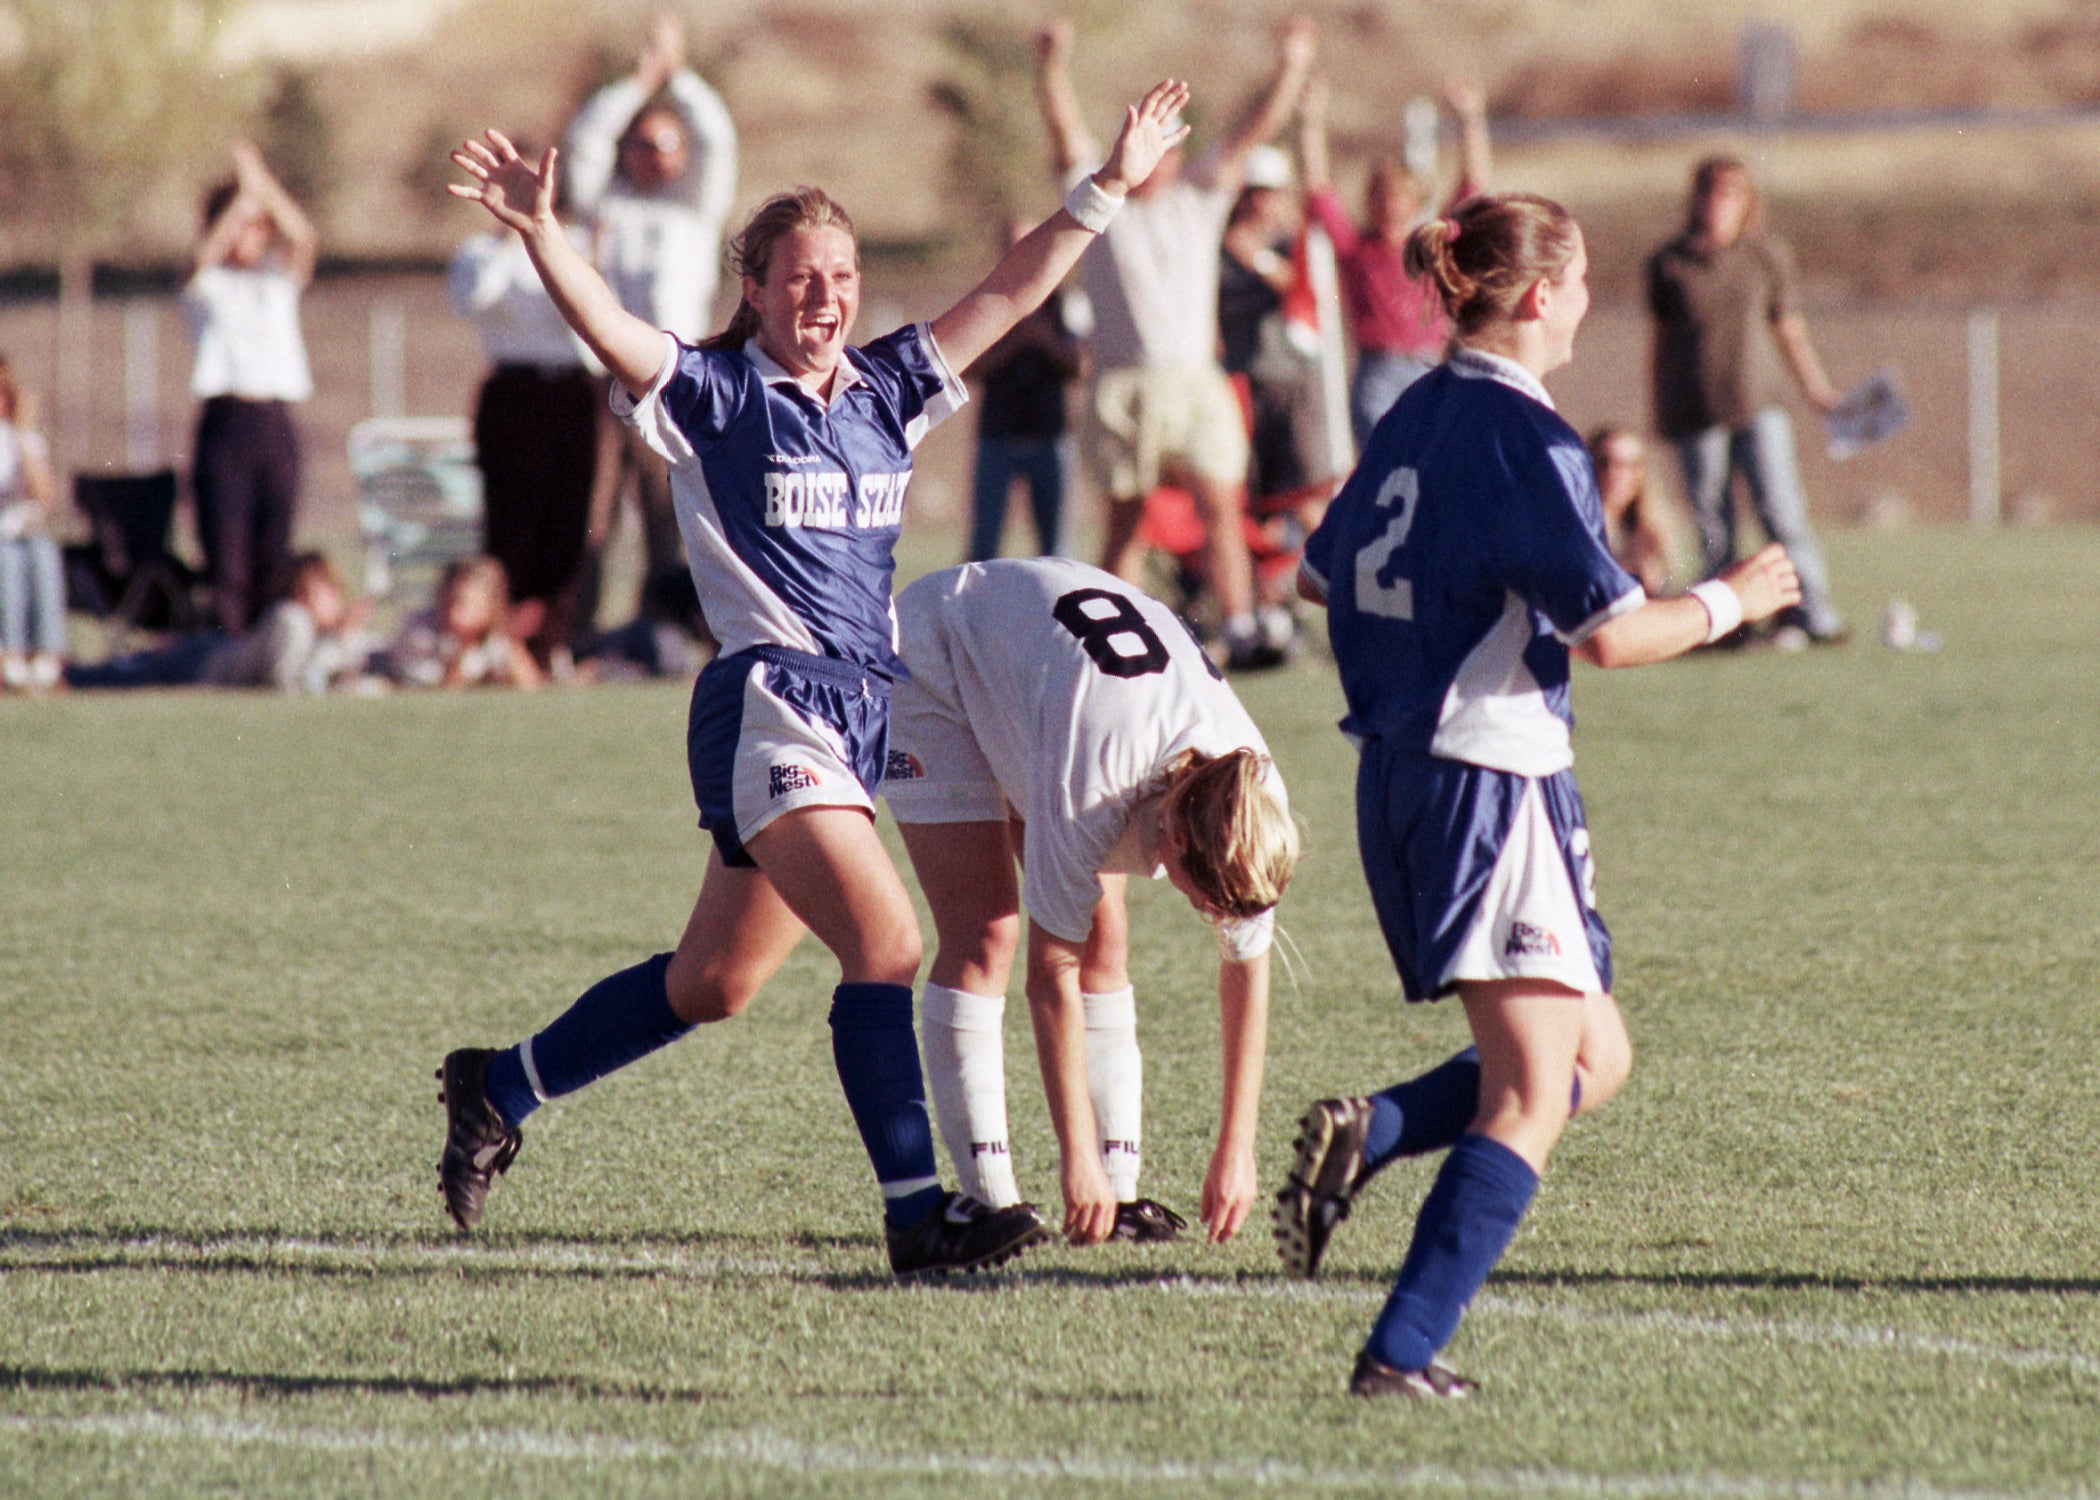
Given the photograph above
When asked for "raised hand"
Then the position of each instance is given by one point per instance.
(1145, 137)
(518, 193)
(1300, 39)
(1765, 582)
(664, 53)
(1053, 44)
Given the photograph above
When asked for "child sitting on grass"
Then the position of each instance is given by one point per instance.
(311, 640)
(470, 637)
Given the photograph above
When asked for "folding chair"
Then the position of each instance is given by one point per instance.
(127, 574)
(418, 498)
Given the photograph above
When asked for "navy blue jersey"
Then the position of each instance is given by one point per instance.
(790, 507)
(1460, 561)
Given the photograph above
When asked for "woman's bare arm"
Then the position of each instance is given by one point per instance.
(521, 196)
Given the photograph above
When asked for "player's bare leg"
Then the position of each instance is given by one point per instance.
(967, 873)
(831, 870)
(1121, 552)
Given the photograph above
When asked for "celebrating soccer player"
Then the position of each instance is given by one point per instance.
(1461, 564)
(790, 451)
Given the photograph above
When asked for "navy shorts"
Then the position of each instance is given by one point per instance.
(1478, 874)
(772, 730)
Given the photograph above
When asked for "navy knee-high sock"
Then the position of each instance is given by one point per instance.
(1426, 1113)
(877, 1054)
(1430, 1112)
(622, 1017)
(1465, 1224)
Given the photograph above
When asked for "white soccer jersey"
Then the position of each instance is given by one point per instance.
(1061, 692)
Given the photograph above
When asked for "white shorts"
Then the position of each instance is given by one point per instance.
(937, 771)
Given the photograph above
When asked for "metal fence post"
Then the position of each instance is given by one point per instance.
(388, 333)
(1985, 485)
(141, 386)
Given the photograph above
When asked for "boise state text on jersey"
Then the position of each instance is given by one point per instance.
(1460, 561)
(790, 505)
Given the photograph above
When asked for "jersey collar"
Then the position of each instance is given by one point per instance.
(772, 372)
(1478, 364)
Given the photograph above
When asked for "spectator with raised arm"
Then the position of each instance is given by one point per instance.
(253, 263)
(651, 162)
(1395, 320)
(1160, 407)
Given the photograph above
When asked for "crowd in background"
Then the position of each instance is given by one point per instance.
(1184, 365)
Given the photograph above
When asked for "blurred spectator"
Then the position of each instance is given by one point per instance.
(1021, 421)
(309, 641)
(1268, 345)
(1396, 321)
(1160, 407)
(1723, 297)
(254, 260)
(669, 638)
(32, 570)
(536, 429)
(469, 637)
(650, 161)
(1638, 523)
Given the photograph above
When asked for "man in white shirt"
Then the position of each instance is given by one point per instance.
(650, 162)
(1161, 408)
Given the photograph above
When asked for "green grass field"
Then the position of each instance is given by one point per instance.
(1840, 1235)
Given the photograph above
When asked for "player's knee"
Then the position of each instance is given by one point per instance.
(1604, 1069)
(702, 994)
(889, 955)
(986, 947)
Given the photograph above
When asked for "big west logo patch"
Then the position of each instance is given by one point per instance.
(903, 766)
(782, 779)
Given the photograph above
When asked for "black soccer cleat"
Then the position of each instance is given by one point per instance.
(1437, 1383)
(1325, 1175)
(479, 1142)
(1146, 1222)
(963, 1235)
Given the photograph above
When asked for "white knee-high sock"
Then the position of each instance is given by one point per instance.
(1115, 1078)
(966, 1075)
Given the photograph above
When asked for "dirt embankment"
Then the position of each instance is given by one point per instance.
(849, 93)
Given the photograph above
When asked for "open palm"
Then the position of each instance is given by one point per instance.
(515, 190)
(1146, 136)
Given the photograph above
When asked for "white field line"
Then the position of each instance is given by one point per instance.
(680, 1264)
(760, 1449)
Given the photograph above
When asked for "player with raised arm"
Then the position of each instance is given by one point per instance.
(790, 451)
(1059, 714)
(1461, 565)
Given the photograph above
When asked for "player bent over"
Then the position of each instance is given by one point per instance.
(789, 453)
(1057, 714)
(1460, 565)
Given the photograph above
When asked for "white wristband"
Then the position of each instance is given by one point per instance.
(1724, 607)
(1092, 204)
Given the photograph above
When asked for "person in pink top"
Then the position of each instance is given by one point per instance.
(1395, 319)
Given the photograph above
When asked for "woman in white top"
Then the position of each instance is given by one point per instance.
(242, 302)
(32, 572)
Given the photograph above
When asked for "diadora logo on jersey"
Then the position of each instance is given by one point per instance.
(902, 766)
(825, 500)
(1526, 940)
(782, 779)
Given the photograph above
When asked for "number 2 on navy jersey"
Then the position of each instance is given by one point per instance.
(1112, 631)
(1395, 600)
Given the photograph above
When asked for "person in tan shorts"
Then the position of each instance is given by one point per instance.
(1160, 407)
